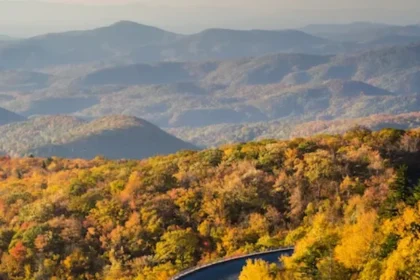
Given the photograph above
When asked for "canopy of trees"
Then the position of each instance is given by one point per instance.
(349, 204)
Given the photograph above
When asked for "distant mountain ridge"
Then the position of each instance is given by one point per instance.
(216, 135)
(129, 42)
(7, 117)
(23, 80)
(132, 42)
(105, 43)
(361, 31)
(6, 38)
(374, 122)
(228, 44)
(113, 137)
(367, 66)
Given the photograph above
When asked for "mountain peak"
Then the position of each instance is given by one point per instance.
(131, 25)
(127, 23)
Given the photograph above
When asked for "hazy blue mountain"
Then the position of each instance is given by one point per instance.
(253, 71)
(59, 105)
(374, 66)
(220, 87)
(388, 68)
(23, 80)
(226, 44)
(262, 70)
(106, 43)
(393, 40)
(126, 42)
(112, 136)
(7, 117)
(366, 34)
(121, 36)
(374, 122)
(355, 31)
(18, 55)
(6, 38)
(138, 74)
(268, 88)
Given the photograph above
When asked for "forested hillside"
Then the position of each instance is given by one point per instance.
(349, 204)
(115, 137)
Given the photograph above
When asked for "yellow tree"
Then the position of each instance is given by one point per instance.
(317, 241)
(256, 270)
(357, 241)
(404, 261)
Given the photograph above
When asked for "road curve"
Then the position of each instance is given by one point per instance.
(189, 274)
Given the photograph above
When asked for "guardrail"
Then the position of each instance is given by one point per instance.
(224, 260)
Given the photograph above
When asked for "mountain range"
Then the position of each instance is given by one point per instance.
(129, 42)
(365, 32)
(273, 87)
(212, 87)
(373, 122)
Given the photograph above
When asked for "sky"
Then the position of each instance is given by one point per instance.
(24, 18)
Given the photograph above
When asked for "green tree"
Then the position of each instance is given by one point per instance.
(179, 247)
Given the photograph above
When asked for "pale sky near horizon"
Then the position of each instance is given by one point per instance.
(302, 4)
(30, 17)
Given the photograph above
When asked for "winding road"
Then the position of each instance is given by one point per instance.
(229, 269)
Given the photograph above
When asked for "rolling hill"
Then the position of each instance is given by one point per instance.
(227, 44)
(361, 31)
(214, 73)
(146, 74)
(376, 67)
(373, 122)
(247, 90)
(391, 68)
(7, 117)
(113, 137)
(23, 80)
(189, 104)
(216, 135)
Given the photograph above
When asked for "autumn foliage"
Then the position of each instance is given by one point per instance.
(349, 204)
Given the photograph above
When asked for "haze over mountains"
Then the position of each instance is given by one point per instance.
(24, 18)
(212, 87)
(132, 42)
(129, 42)
(362, 31)
(6, 38)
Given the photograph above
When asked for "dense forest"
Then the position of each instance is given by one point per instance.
(349, 204)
